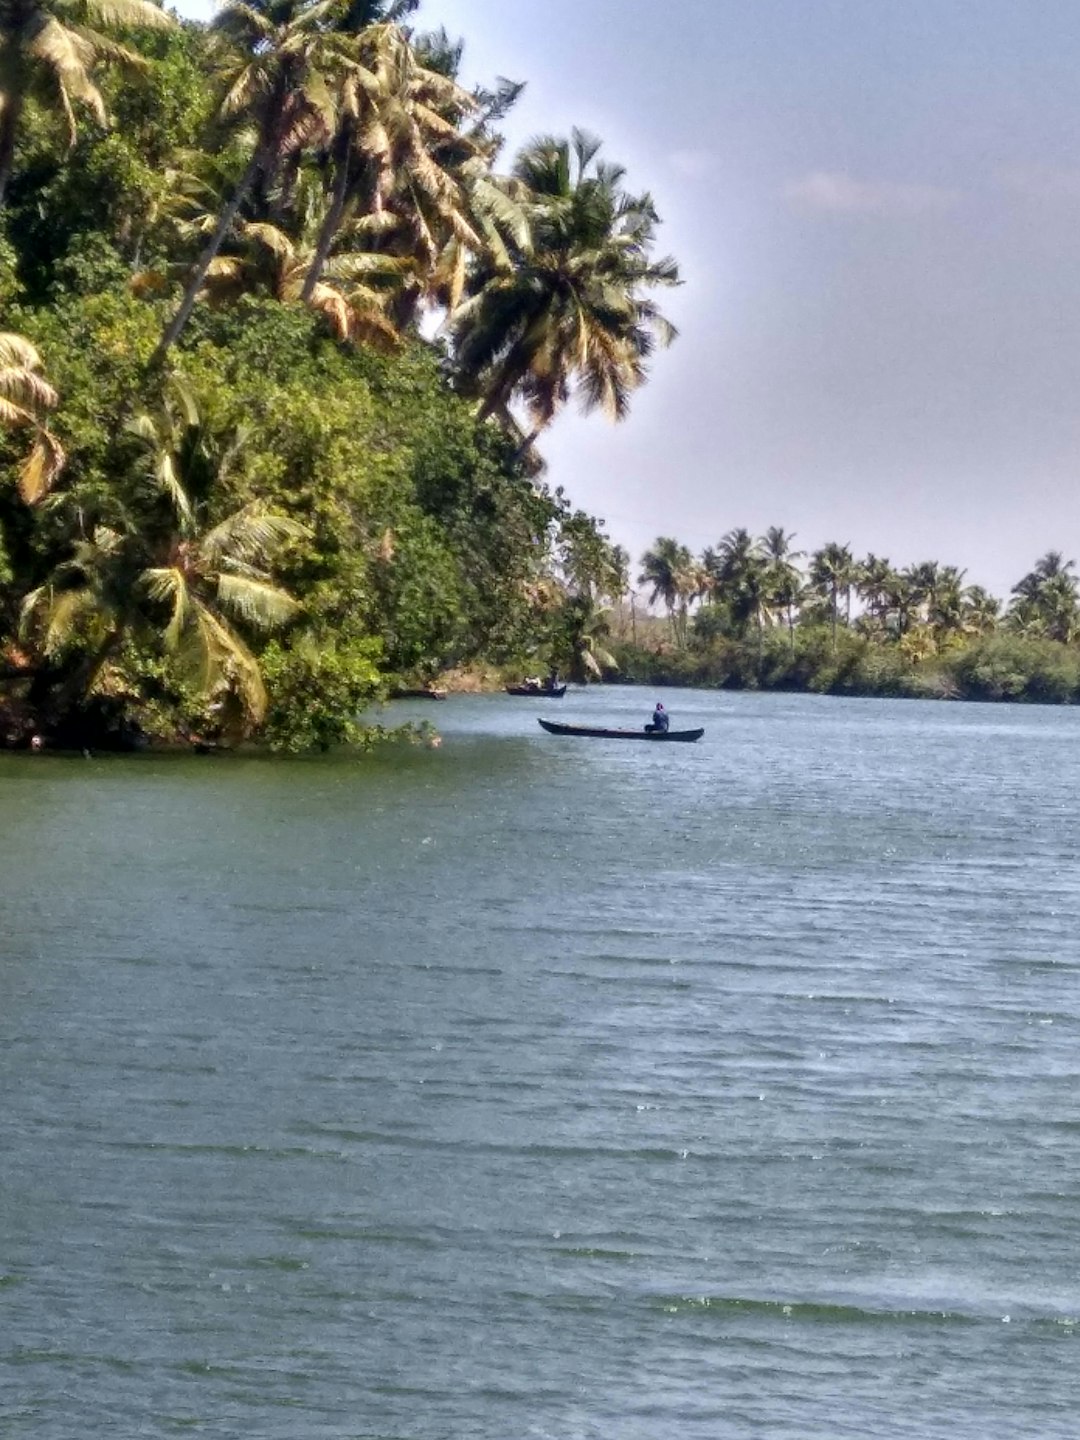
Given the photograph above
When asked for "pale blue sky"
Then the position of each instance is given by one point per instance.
(877, 210)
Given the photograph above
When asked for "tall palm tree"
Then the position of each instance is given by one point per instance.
(284, 55)
(901, 602)
(581, 630)
(397, 122)
(980, 610)
(572, 311)
(832, 575)
(25, 397)
(1050, 566)
(165, 577)
(782, 579)
(50, 51)
(945, 607)
(875, 575)
(741, 580)
(664, 569)
(354, 294)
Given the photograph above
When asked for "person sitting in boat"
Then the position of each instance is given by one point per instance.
(552, 681)
(659, 722)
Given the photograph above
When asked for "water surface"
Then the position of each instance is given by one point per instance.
(546, 1088)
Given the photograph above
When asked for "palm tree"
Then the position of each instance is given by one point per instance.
(49, 52)
(832, 574)
(1026, 620)
(163, 576)
(571, 313)
(397, 121)
(278, 85)
(925, 581)
(945, 609)
(1048, 567)
(353, 296)
(782, 579)
(741, 580)
(618, 580)
(24, 398)
(980, 610)
(578, 649)
(872, 583)
(1046, 600)
(1059, 607)
(901, 603)
(664, 568)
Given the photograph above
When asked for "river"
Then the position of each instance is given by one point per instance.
(530, 1087)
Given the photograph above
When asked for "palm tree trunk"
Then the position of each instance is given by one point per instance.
(332, 219)
(9, 128)
(175, 327)
(527, 444)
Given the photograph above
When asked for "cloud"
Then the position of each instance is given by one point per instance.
(691, 163)
(837, 194)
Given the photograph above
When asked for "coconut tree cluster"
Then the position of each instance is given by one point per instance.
(800, 615)
(343, 164)
(281, 328)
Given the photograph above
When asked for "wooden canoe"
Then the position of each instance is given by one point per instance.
(554, 694)
(596, 733)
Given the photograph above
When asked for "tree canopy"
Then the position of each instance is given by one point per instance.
(265, 423)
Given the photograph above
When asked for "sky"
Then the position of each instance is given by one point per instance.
(876, 210)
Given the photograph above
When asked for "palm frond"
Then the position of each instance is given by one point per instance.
(39, 470)
(257, 603)
(250, 535)
(167, 585)
(130, 15)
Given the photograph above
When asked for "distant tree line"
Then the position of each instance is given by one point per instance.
(755, 611)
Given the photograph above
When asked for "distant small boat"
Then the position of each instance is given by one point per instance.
(433, 692)
(556, 692)
(596, 733)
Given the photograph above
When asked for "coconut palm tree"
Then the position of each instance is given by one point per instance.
(664, 569)
(945, 604)
(980, 610)
(901, 602)
(50, 51)
(578, 648)
(572, 311)
(1048, 594)
(163, 575)
(284, 55)
(25, 397)
(741, 580)
(396, 153)
(875, 576)
(832, 574)
(783, 579)
(354, 295)
(1050, 566)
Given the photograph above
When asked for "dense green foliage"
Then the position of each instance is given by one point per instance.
(243, 493)
(748, 615)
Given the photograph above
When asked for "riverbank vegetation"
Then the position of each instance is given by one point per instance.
(280, 327)
(756, 613)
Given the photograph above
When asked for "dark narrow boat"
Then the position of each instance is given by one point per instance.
(686, 736)
(555, 693)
